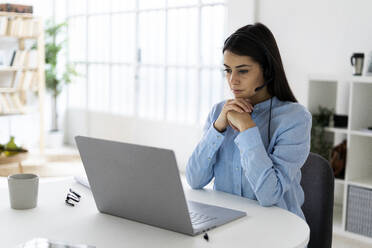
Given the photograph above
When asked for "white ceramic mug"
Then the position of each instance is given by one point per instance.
(23, 190)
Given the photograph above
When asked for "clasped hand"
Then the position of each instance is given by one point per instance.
(237, 114)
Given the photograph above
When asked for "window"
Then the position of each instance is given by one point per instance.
(151, 59)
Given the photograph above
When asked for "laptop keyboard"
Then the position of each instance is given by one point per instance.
(197, 218)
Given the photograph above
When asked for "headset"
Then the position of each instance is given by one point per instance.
(268, 71)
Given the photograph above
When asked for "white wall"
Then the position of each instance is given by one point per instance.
(239, 13)
(318, 36)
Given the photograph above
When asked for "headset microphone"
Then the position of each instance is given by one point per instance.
(258, 88)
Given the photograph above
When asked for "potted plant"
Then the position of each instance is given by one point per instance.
(56, 76)
(319, 144)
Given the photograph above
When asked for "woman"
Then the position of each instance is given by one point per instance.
(255, 144)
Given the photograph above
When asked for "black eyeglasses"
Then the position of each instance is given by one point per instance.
(72, 198)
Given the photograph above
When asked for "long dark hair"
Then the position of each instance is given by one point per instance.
(257, 42)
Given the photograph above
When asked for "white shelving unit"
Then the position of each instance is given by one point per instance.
(23, 31)
(353, 97)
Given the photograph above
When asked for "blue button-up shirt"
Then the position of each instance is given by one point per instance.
(247, 164)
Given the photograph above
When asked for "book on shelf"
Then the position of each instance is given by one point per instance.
(18, 106)
(11, 103)
(12, 58)
(18, 80)
(25, 58)
(16, 58)
(30, 28)
(31, 59)
(12, 26)
(20, 58)
(27, 80)
(4, 103)
(23, 27)
(3, 25)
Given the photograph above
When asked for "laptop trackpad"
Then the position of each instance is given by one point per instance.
(210, 216)
(215, 212)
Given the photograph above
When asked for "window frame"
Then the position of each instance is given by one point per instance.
(137, 64)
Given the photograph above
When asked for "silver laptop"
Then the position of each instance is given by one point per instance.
(142, 183)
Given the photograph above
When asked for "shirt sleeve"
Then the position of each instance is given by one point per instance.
(271, 175)
(199, 169)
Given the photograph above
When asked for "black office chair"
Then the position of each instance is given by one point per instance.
(318, 185)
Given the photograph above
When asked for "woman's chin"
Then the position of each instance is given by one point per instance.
(241, 95)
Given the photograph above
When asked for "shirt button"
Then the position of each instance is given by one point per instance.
(209, 158)
(237, 168)
(218, 136)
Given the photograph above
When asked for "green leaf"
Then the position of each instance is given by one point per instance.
(52, 50)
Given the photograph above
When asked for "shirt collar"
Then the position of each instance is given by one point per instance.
(259, 107)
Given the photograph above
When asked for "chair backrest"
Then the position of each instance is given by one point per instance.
(318, 185)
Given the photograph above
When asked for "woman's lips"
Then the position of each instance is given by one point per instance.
(237, 91)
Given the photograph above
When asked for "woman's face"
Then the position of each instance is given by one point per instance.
(243, 74)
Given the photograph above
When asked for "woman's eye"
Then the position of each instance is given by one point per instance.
(243, 71)
(227, 71)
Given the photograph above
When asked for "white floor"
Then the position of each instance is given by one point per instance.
(338, 241)
(343, 242)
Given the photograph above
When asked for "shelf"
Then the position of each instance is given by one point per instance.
(361, 79)
(336, 129)
(347, 94)
(337, 219)
(12, 113)
(366, 133)
(14, 14)
(18, 37)
(333, 78)
(13, 159)
(339, 181)
(365, 182)
(8, 90)
(26, 110)
(13, 90)
(16, 68)
(322, 77)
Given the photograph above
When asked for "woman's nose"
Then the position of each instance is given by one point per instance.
(234, 78)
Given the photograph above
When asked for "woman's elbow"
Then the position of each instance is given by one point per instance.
(266, 200)
(266, 203)
(192, 182)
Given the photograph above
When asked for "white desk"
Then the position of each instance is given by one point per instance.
(262, 227)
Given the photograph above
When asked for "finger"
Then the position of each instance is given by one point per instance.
(242, 100)
(233, 127)
(247, 102)
(234, 105)
(242, 104)
(234, 108)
